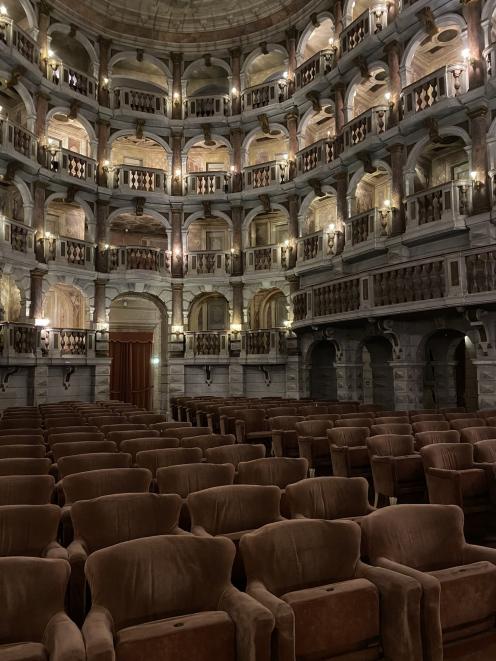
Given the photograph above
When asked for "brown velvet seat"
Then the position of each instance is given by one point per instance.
(485, 451)
(29, 451)
(135, 445)
(26, 489)
(170, 597)
(185, 432)
(394, 420)
(147, 418)
(164, 427)
(355, 415)
(285, 436)
(465, 423)
(281, 411)
(475, 434)
(22, 439)
(349, 454)
(430, 425)
(397, 470)
(80, 463)
(252, 427)
(72, 429)
(431, 437)
(458, 580)
(326, 603)
(184, 479)
(100, 420)
(108, 520)
(80, 437)
(354, 422)
(208, 441)
(33, 624)
(234, 454)
(391, 428)
(427, 417)
(313, 444)
(82, 447)
(312, 409)
(119, 436)
(24, 466)
(124, 426)
(155, 459)
(30, 530)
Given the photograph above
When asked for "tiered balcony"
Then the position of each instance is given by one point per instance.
(201, 107)
(370, 22)
(64, 250)
(16, 237)
(139, 258)
(71, 165)
(315, 248)
(131, 179)
(206, 262)
(207, 344)
(372, 122)
(269, 344)
(25, 341)
(15, 42)
(442, 207)
(490, 57)
(128, 100)
(72, 80)
(318, 154)
(266, 174)
(208, 183)
(366, 232)
(444, 83)
(267, 258)
(315, 67)
(16, 141)
(266, 94)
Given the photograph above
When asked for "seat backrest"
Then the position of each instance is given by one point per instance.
(33, 591)
(392, 428)
(117, 518)
(430, 425)
(285, 423)
(155, 459)
(465, 423)
(254, 419)
(11, 451)
(80, 463)
(475, 434)
(393, 420)
(234, 508)
(165, 426)
(24, 466)
(80, 437)
(26, 489)
(356, 415)
(299, 554)
(27, 529)
(354, 422)
(280, 411)
(186, 432)
(390, 445)
(136, 445)
(147, 418)
(66, 421)
(159, 577)
(348, 436)
(329, 497)
(485, 451)
(309, 409)
(102, 482)
(234, 454)
(119, 436)
(208, 441)
(125, 426)
(21, 421)
(82, 447)
(428, 417)
(449, 456)
(431, 437)
(279, 471)
(370, 408)
(102, 419)
(188, 478)
(22, 439)
(314, 428)
(436, 529)
(86, 429)
(458, 415)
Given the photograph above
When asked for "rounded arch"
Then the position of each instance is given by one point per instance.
(358, 174)
(308, 31)
(307, 202)
(251, 135)
(132, 210)
(147, 134)
(200, 316)
(86, 124)
(268, 308)
(419, 146)
(131, 55)
(356, 81)
(375, 353)
(88, 211)
(251, 215)
(64, 29)
(26, 98)
(214, 61)
(307, 117)
(251, 57)
(66, 303)
(216, 213)
(26, 197)
(320, 360)
(444, 20)
(200, 138)
(31, 16)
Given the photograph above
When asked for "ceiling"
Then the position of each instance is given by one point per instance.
(185, 21)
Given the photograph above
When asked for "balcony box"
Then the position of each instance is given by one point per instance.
(16, 236)
(127, 100)
(372, 21)
(139, 258)
(315, 67)
(15, 42)
(266, 94)
(366, 233)
(202, 107)
(267, 258)
(372, 122)
(445, 83)
(72, 165)
(16, 141)
(205, 262)
(266, 174)
(208, 183)
(72, 80)
(66, 250)
(207, 344)
(132, 179)
(322, 152)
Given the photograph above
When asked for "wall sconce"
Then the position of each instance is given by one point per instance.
(178, 255)
(48, 235)
(389, 100)
(176, 97)
(476, 182)
(467, 56)
(234, 92)
(287, 325)
(235, 329)
(285, 75)
(106, 246)
(105, 82)
(155, 361)
(331, 236)
(107, 166)
(177, 175)
(177, 330)
(3, 11)
(41, 322)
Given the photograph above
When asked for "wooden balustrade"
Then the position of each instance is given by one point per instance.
(71, 251)
(266, 94)
(335, 298)
(264, 343)
(371, 224)
(16, 140)
(139, 258)
(448, 202)
(371, 122)
(490, 58)
(72, 79)
(319, 153)
(446, 82)
(315, 67)
(71, 164)
(300, 306)
(16, 41)
(208, 183)
(207, 263)
(208, 343)
(129, 178)
(423, 281)
(207, 106)
(18, 236)
(17, 339)
(136, 100)
(372, 21)
(267, 258)
(266, 174)
(311, 246)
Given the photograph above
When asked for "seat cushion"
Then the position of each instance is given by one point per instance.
(409, 469)
(473, 483)
(259, 434)
(329, 623)
(23, 652)
(208, 636)
(468, 594)
(359, 458)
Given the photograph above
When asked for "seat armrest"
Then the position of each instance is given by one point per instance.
(77, 552)
(98, 634)
(63, 639)
(210, 421)
(55, 550)
(240, 431)
(199, 531)
(442, 473)
(277, 442)
(444, 486)
(283, 615)
(254, 624)
(474, 553)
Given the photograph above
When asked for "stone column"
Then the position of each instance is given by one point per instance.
(237, 240)
(292, 64)
(294, 208)
(338, 19)
(476, 64)
(177, 92)
(237, 313)
(103, 135)
(103, 73)
(101, 238)
(339, 91)
(341, 209)
(39, 194)
(236, 80)
(177, 170)
(478, 131)
(177, 241)
(100, 316)
(397, 152)
(393, 53)
(392, 12)
(43, 24)
(237, 175)
(292, 124)
(177, 304)
(39, 126)
(36, 297)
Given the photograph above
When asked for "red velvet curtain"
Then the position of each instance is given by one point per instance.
(131, 374)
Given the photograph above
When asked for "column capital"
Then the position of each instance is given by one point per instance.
(291, 32)
(481, 111)
(38, 273)
(104, 42)
(339, 87)
(292, 114)
(176, 58)
(45, 7)
(393, 46)
(235, 52)
(177, 286)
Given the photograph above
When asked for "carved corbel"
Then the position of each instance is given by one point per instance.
(67, 377)
(15, 75)
(263, 47)
(266, 373)
(207, 134)
(265, 201)
(208, 374)
(70, 194)
(4, 383)
(73, 31)
(140, 128)
(314, 98)
(316, 184)
(207, 208)
(361, 63)
(475, 318)
(264, 123)
(315, 21)
(426, 17)
(207, 58)
(140, 54)
(10, 171)
(364, 157)
(139, 204)
(433, 127)
(74, 109)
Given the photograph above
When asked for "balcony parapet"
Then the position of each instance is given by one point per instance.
(72, 80)
(208, 343)
(372, 21)
(127, 99)
(17, 141)
(447, 204)
(266, 94)
(266, 174)
(446, 82)
(372, 122)
(269, 343)
(132, 179)
(207, 262)
(71, 164)
(19, 340)
(15, 41)
(315, 67)
(208, 183)
(16, 236)
(367, 226)
(268, 258)
(139, 258)
(202, 107)
(317, 154)
(66, 250)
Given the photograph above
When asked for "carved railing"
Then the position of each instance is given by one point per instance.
(315, 67)
(70, 251)
(209, 343)
(129, 178)
(208, 183)
(18, 236)
(481, 271)
(448, 202)
(311, 246)
(206, 262)
(267, 258)
(266, 174)
(207, 106)
(16, 140)
(266, 94)
(139, 258)
(264, 343)
(368, 225)
(371, 122)
(17, 41)
(446, 82)
(319, 153)
(336, 298)
(490, 58)
(71, 164)
(300, 306)
(72, 79)
(17, 339)
(421, 282)
(126, 99)
(372, 21)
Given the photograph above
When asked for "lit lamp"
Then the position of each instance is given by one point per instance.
(41, 322)
(105, 82)
(176, 97)
(177, 175)
(155, 361)
(476, 182)
(235, 329)
(3, 11)
(331, 236)
(177, 330)
(234, 92)
(287, 325)
(389, 100)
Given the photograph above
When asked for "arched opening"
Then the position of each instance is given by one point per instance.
(268, 310)
(208, 234)
(138, 242)
(70, 52)
(15, 11)
(66, 219)
(208, 156)
(444, 48)
(318, 40)
(13, 107)
(138, 164)
(372, 191)
(209, 312)
(378, 383)
(267, 147)
(207, 90)
(323, 379)
(263, 68)
(441, 162)
(268, 229)
(11, 202)
(66, 133)
(320, 215)
(66, 306)
(320, 125)
(369, 207)
(368, 93)
(10, 300)
(138, 348)
(139, 85)
(450, 377)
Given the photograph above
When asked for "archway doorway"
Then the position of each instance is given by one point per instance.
(138, 348)
(378, 384)
(323, 381)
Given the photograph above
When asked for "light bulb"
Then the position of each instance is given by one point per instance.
(465, 53)
(387, 96)
(285, 75)
(473, 175)
(177, 172)
(3, 10)
(387, 203)
(234, 91)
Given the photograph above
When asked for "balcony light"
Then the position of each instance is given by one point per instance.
(234, 91)
(177, 329)
(466, 53)
(387, 204)
(285, 75)
(387, 96)
(3, 10)
(155, 361)
(473, 175)
(331, 228)
(41, 322)
(235, 328)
